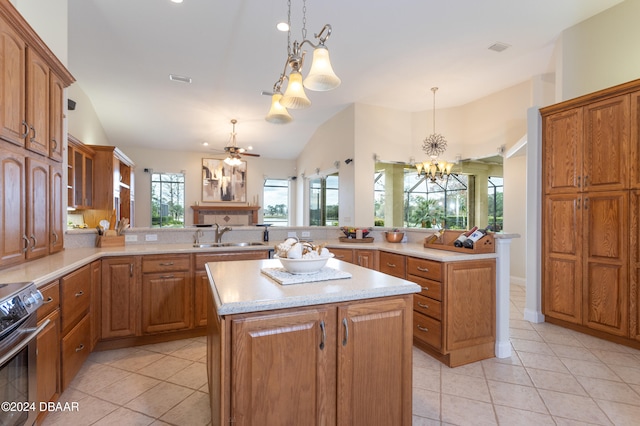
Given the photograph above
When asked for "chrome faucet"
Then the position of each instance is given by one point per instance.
(197, 235)
(220, 232)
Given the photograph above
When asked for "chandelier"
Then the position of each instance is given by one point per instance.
(434, 145)
(320, 78)
(233, 157)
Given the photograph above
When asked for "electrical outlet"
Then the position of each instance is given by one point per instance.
(151, 237)
(292, 234)
(305, 234)
(131, 238)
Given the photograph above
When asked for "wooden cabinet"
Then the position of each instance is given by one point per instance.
(75, 296)
(589, 228)
(80, 175)
(392, 264)
(634, 270)
(167, 293)
(362, 257)
(344, 364)
(201, 280)
(13, 125)
(48, 346)
(37, 225)
(56, 117)
(113, 180)
(120, 305)
(56, 221)
(96, 310)
(37, 105)
(454, 315)
(13, 239)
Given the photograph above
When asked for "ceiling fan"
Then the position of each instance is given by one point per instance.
(233, 150)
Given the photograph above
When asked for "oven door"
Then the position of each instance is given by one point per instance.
(18, 386)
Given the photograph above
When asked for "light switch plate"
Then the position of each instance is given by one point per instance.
(305, 234)
(151, 237)
(131, 238)
(292, 234)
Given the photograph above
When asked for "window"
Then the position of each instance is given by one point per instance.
(276, 202)
(167, 200)
(323, 201)
(494, 200)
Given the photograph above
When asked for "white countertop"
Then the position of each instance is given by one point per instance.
(44, 270)
(240, 287)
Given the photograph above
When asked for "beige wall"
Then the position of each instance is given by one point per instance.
(49, 19)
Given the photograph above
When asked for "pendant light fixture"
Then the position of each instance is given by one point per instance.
(321, 76)
(434, 145)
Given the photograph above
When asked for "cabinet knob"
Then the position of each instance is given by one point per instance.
(79, 348)
(80, 293)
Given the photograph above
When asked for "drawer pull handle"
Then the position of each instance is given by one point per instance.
(80, 293)
(346, 332)
(167, 264)
(340, 256)
(391, 265)
(421, 328)
(425, 288)
(166, 276)
(49, 300)
(79, 348)
(422, 305)
(324, 335)
(422, 269)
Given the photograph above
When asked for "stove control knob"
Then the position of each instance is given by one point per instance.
(35, 298)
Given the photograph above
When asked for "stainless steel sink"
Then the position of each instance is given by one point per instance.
(243, 244)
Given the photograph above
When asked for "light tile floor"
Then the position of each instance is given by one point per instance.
(555, 376)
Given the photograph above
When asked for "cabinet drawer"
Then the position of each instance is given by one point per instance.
(427, 330)
(392, 264)
(162, 264)
(430, 288)
(75, 294)
(51, 297)
(427, 306)
(75, 350)
(343, 254)
(202, 259)
(424, 268)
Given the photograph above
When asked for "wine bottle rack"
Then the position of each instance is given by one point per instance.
(485, 244)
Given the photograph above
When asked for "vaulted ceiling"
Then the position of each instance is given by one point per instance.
(387, 53)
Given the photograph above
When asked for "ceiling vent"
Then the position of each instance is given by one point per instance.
(499, 47)
(179, 78)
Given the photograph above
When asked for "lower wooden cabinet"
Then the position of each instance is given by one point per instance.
(120, 306)
(344, 364)
(75, 348)
(392, 264)
(167, 301)
(362, 257)
(48, 356)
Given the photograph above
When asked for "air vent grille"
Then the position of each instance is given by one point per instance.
(499, 47)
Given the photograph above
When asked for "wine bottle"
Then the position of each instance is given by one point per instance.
(475, 236)
(459, 242)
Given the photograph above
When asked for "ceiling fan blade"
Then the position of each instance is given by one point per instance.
(250, 154)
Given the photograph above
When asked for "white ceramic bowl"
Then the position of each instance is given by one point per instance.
(304, 266)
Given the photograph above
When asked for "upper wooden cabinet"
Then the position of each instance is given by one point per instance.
(13, 124)
(80, 174)
(113, 182)
(56, 117)
(587, 148)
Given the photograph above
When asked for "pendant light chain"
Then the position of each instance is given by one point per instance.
(304, 19)
(289, 30)
(434, 89)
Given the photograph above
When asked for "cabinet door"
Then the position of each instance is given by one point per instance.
(119, 302)
(96, 288)
(167, 300)
(606, 266)
(37, 104)
(56, 117)
(13, 240)
(13, 126)
(562, 257)
(470, 305)
(562, 148)
(374, 363)
(283, 368)
(634, 256)
(48, 355)
(634, 163)
(606, 144)
(366, 258)
(56, 222)
(37, 208)
(201, 298)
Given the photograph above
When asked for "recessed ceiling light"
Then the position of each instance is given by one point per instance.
(177, 1)
(181, 78)
(205, 143)
(282, 26)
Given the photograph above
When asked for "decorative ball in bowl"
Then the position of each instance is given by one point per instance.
(304, 266)
(394, 237)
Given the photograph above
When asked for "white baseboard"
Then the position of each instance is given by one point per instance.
(533, 316)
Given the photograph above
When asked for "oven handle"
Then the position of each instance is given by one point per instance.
(34, 332)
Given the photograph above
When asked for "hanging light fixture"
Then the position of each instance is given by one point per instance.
(434, 145)
(321, 76)
(233, 158)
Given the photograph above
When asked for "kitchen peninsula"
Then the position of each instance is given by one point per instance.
(324, 352)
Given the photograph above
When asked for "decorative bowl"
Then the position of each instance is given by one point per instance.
(303, 266)
(394, 237)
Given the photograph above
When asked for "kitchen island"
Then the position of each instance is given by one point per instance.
(325, 352)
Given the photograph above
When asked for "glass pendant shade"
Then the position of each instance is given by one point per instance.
(277, 113)
(321, 76)
(233, 161)
(294, 97)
